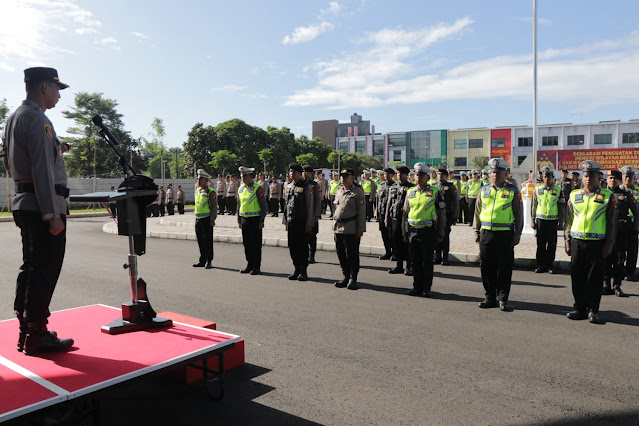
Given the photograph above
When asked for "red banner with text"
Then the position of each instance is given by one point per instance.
(610, 159)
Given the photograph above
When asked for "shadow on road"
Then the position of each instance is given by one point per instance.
(630, 418)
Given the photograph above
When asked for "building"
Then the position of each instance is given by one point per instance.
(325, 130)
(329, 130)
(468, 148)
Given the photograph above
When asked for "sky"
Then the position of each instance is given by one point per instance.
(404, 65)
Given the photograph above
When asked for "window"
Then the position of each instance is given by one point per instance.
(476, 143)
(525, 141)
(521, 159)
(397, 139)
(378, 149)
(343, 146)
(575, 139)
(630, 138)
(549, 140)
(498, 142)
(460, 161)
(603, 139)
(360, 147)
(397, 155)
(460, 143)
(420, 144)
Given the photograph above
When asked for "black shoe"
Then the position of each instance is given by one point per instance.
(311, 259)
(540, 270)
(445, 262)
(438, 260)
(23, 335)
(396, 270)
(199, 265)
(414, 292)
(593, 318)
(342, 284)
(504, 307)
(44, 341)
(352, 284)
(619, 292)
(606, 290)
(408, 272)
(426, 293)
(209, 265)
(577, 315)
(246, 270)
(553, 272)
(487, 304)
(393, 258)
(385, 257)
(256, 271)
(302, 277)
(294, 275)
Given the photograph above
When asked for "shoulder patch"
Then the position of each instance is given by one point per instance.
(48, 131)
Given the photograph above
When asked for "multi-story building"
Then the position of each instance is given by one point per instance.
(329, 130)
(468, 148)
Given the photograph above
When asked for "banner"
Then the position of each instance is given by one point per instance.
(610, 159)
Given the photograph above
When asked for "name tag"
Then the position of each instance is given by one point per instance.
(540, 191)
(487, 193)
(411, 194)
(579, 198)
(299, 190)
(442, 205)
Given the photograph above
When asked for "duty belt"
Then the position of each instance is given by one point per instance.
(345, 220)
(28, 187)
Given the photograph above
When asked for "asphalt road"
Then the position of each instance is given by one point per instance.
(320, 354)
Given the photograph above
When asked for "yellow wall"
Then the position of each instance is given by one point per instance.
(472, 152)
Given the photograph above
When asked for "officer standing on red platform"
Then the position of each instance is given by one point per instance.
(546, 219)
(33, 157)
(205, 215)
(498, 224)
(590, 231)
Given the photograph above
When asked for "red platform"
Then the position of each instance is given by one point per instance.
(96, 361)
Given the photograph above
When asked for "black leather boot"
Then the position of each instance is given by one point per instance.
(311, 257)
(352, 283)
(343, 283)
(294, 275)
(40, 340)
(303, 276)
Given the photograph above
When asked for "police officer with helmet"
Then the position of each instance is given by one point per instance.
(205, 215)
(546, 219)
(590, 231)
(423, 227)
(498, 225)
(251, 205)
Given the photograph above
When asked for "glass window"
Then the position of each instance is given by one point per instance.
(521, 159)
(420, 144)
(603, 139)
(397, 155)
(525, 141)
(575, 139)
(460, 143)
(397, 139)
(498, 142)
(460, 161)
(550, 140)
(360, 147)
(630, 138)
(343, 146)
(476, 143)
(378, 149)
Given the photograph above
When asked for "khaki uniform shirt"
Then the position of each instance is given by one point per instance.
(274, 190)
(180, 196)
(231, 188)
(169, 195)
(34, 155)
(350, 203)
(220, 188)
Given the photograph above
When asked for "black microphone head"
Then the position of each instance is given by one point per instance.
(97, 120)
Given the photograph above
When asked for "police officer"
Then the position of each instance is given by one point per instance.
(424, 224)
(615, 268)
(274, 195)
(251, 204)
(333, 186)
(451, 197)
(180, 199)
(323, 187)
(383, 195)
(317, 211)
(231, 194)
(498, 224)
(299, 219)
(394, 216)
(484, 177)
(220, 189)
(170, 206)
(590, 231)
(205, 215)
(33, 157)
(474, 185)
(546, 219)
(628, 175)
(463, 198)
(433, 177)
(349, 226)
(566, 188)
(369, 188)
(576, 182)
(162, 196)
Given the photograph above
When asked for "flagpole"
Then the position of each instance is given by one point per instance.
(535, 133)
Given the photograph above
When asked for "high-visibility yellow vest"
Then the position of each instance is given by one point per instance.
(334, 186)
(497, 208)
(473, 188)
(589, 219)
(376, 180)
(635, 193)
(249, 204)
(547, 202)
(202, 207)
(433, 182)
(464, 188)
(366, 186)
(421, 207)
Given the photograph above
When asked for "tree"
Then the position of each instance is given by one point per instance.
(307, 158)
(316, 147)
(282, 144)
(266, 155)
(223, 160)
(369, 162)
(334, 158)
(479, 163)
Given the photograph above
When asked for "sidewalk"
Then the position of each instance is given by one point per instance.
(462, 246)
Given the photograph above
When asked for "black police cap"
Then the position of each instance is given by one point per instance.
(296, 167)
(43, 74)
(403, 169)
(389, 170)
(307, 168)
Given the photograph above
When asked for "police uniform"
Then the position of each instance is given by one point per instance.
(220, 189)
(473, 192)
(205, 215)
(383, 195)
(180, 199)
(566, 189)
(615, 269)
(547, 218)
(311, 237)
(162, 196)
(590, 231)
(423, 222)
(632, 243)
(231, 195)
(451, 198)
(333, 185)
(251, 204)
(369, 188)
(394, 217)
(299, 218)
(34, 159)
(349, 225)
(170, 206)
(498, 225)
(464, 216)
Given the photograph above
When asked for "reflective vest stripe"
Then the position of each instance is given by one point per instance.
(497, 213)
(249, 205)
(421, 205)
(547, 203)
(202, 207)
(589, 215)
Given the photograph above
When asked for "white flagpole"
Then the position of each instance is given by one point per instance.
(535, 134)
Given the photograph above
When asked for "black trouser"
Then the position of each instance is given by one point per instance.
(546, 242)
(204, 234)
(347, 246)
(631, 256)
(496, 256)
(332, 205)
(369, 207)
(252, 240)
(400, 249)
(221, 204)
(311, 238)
(471, 209)
(162, 209)
(231, 205)
(586, 266)
(42, 257)
(421, 242)
(113, 208)
(386, 236)
(614, 264)
(298, 245)
(282, 203)
(463, 211)
(155, 209)
(180, 207)
(443, 248)
(170, 208)
(325, 203)
(275, 206)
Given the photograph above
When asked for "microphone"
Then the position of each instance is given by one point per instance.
(97, 120)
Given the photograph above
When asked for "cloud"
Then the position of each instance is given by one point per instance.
(83, 31)
(229, 88)
(589, 75)
(141, 36)
(304, 34)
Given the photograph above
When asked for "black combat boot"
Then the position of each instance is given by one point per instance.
(302, 276)
(607, 289)
(40, 340)
(352, 283)
(294, 275)
(343, 283)
(618, 292)
(311, 257)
